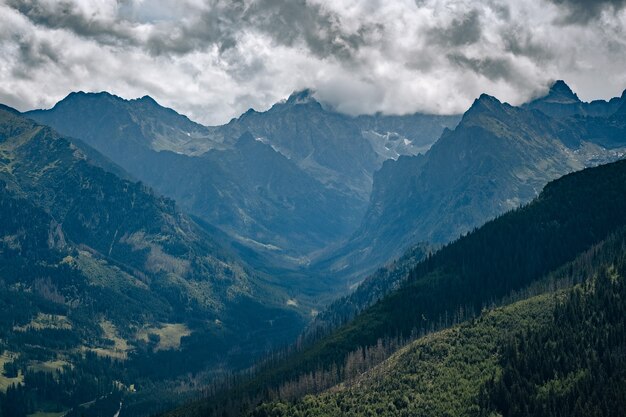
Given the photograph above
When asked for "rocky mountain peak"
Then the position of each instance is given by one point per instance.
(483, 104)
(302, 97)
(560, 92)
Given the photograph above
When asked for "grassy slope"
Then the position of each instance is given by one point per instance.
(552, 340)
(439, 374)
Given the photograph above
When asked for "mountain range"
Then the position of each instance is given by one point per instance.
(498, 158)
(104, 276)
(283, 183)
(334, 195)
(135, 236)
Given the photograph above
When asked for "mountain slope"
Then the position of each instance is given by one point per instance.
(93, 265)
(404, 134)
(108, 122)
(340, 151)
(507, 256)
(552, 354)
(569, 216)
(372, 289)
(322, 143)
(256, 195)
(561, 101)
(438, 375)
(497, 158)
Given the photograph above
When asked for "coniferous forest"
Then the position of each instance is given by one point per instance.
(558, 352)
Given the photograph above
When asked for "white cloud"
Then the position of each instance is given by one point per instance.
(215, 59)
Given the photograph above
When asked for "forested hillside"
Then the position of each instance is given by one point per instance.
(555, 354)
(100, 278)
(282, 184)
(507, 254)
(372, 289)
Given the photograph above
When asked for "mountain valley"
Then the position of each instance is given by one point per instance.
(312, 208)
(311, 235)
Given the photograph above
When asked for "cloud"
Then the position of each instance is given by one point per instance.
(494, 69)
(585, 11)
(99, 23)
(214, 59)
(216, 22)
(464, 30)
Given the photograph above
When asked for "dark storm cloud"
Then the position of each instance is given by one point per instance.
(287, 22)
(64, 14)
(465, 30)
(521, 43)
(33, 54)
(493, 68)
(584, 11)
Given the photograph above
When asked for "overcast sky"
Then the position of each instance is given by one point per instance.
(212, 60)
